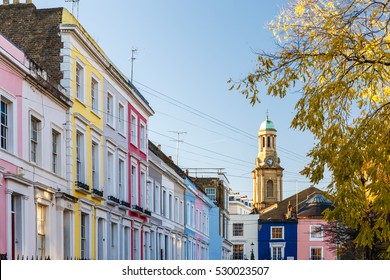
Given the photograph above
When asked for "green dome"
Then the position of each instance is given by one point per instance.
(267, 125)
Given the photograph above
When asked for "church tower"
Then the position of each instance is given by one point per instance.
(268, 174)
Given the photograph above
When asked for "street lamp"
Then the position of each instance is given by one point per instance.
(252, 254)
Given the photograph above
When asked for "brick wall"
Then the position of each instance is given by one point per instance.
(36, 32)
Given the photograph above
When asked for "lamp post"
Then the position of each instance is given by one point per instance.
(252, 254)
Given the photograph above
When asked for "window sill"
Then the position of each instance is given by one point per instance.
(96, 113)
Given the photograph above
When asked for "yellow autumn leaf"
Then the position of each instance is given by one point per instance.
(299, 10)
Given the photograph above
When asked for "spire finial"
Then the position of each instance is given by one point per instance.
(267, 114)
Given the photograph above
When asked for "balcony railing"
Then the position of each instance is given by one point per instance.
(97, 192)
(82, 186)
(113, 199)
(137, 208)
(125, 204)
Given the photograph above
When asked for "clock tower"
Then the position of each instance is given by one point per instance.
(268, 174)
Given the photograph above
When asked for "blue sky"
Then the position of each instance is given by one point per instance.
(187, 50)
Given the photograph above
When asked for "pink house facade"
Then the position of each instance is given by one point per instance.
(313, 243)
(11, 85)
(31, 171)
(138, 115)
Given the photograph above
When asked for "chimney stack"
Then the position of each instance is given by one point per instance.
(6, 2)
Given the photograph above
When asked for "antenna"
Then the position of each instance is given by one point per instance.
(133, 53)
(75, 4)
(178, 143)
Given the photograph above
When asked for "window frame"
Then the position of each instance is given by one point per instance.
(211, 193)
(79, 82)
(56, 151)
(109, 110)
(134, 129)
(238, 229)
(143, 137)
(80, 156)
(95, 86)
(35, 142)
(121, 118)
(95, 165)
(321, 257)
(313, 233)
(6, 125)
(272, 233)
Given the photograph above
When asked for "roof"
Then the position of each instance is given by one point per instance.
(315, 206)
(267, 125)
(279, 212)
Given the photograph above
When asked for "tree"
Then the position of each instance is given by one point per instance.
(337, 54)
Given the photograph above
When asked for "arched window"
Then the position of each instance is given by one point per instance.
(269, 142)
(270, 188)
(263, 141)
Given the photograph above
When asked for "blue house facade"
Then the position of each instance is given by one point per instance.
(277, 240)
(216, 240)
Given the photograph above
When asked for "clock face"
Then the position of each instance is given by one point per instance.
(270, 161)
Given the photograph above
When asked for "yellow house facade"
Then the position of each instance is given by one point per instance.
(83, 70)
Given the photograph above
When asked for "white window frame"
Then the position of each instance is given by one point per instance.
(122, 118)
(55, 151)
(134, 183)
(164, 210)
(176, 210)
(9, 101)
(181, 212)
(80, 81)
(280, 245)
(122, 190)
(157, 199)
(86, 236)
(211, 193)
(80, 156)
(111, 173)
(134, 129)
(236, 230)
(170, 206)
(142, 179)
(317, 247)
(35, 142)
(95, 167)
(276, 227)
(95, 90)
(188, 218)
(314, 232)
(42, 230)
(143, 137)
(109, 109)
(114, 230)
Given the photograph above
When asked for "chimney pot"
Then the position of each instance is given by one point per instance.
(159, 146)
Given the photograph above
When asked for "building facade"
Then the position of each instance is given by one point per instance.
(314, 242)
(107, 120)
(243, 227)
(38, 208)
(217, 189)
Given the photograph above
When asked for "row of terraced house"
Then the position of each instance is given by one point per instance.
(79, 178)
